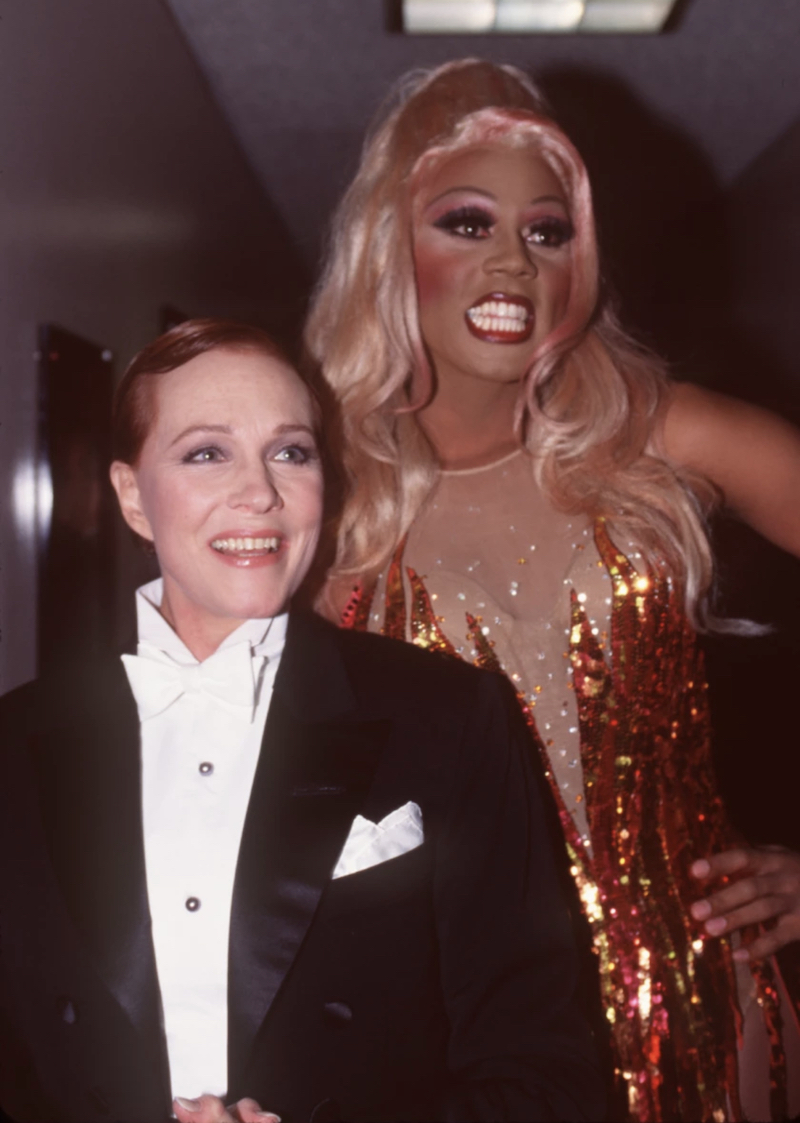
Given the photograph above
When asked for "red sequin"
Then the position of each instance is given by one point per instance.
(668, 993)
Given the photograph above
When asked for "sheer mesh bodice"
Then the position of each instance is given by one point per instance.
(491, 545)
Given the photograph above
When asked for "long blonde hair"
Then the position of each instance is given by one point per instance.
(589, 402)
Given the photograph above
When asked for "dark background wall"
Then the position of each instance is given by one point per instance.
(753, 351)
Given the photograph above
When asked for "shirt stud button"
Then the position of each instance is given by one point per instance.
(68, 1011)
(192, 904)
(337, 1013)
(206, 768)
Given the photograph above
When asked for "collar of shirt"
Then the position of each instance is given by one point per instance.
(260, 639)
(266, 636)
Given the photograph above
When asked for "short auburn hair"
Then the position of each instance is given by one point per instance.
(134, 405)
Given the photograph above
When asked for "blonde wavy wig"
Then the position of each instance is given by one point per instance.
(589, 403)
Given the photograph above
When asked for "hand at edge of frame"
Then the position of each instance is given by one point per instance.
(764, 886)
(211, 1109)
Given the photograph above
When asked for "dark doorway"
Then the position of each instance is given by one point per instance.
(76, 546)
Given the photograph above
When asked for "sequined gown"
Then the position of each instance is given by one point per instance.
(611, 681)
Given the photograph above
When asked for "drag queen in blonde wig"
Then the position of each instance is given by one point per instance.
(527, 490)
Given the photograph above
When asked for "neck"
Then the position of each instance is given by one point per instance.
(470, 422)
(201, 638)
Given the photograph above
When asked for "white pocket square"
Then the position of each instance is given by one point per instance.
(370, 843)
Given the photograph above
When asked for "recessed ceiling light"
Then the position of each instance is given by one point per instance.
(538, 15)
(626, 15)
(422, 17)
(521, 17)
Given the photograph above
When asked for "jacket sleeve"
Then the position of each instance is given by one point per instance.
(519, 1047)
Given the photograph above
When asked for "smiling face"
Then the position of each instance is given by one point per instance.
(228, 487)
(492, 237)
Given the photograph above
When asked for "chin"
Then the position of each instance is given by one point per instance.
(259, 608)
(505, 374)
(505, 364)
(245, 604)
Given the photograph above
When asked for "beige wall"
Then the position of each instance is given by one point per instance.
(120, 189)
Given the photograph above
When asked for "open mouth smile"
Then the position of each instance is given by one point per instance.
(246, 547)
(500, 318)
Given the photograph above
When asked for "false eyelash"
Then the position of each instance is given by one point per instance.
(560, 228)
(452, 219)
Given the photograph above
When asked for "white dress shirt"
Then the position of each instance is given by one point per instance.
(199, 756)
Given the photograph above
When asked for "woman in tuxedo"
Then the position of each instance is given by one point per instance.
(263, 861)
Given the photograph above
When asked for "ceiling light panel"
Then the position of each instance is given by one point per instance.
(521, 16)
(527, 17)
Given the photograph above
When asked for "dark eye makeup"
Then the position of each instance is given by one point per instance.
(467, 222)
(549, 231)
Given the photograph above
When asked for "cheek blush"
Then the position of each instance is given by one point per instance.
(434, 274)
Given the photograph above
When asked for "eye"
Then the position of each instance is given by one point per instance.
(550, 232)
(296, 454)
(466, 222)
(208, 454)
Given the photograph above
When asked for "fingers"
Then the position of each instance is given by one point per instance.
(785, 931)
(248, 1111)
(211, 1109)
(720, 865)
(742, 893)
(205, 1109)
(772, 890)
(756, 911)
(765, 859)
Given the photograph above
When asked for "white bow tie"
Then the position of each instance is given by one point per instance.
(157, 680)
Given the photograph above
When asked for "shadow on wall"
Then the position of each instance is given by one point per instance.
(757, 679)
(673, 242)
(647, 178)
(710, 278)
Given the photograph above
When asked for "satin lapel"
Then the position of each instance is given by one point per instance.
(89, 769)
(313, 776)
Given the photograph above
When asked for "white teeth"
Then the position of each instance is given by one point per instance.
(498, 324)
(499, 316)
(245, 545)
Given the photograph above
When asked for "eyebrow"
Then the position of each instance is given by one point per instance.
(489, 195)
(286, 427)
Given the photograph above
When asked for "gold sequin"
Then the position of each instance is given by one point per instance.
(670, 997)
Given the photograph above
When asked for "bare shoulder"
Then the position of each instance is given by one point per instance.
(750, 454)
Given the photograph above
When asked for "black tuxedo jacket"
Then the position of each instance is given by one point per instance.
(436, 985)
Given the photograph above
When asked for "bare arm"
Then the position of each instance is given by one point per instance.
(753, 457)
(750, 454)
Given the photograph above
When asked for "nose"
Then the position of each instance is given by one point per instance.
(509, 254)
(255, 491)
